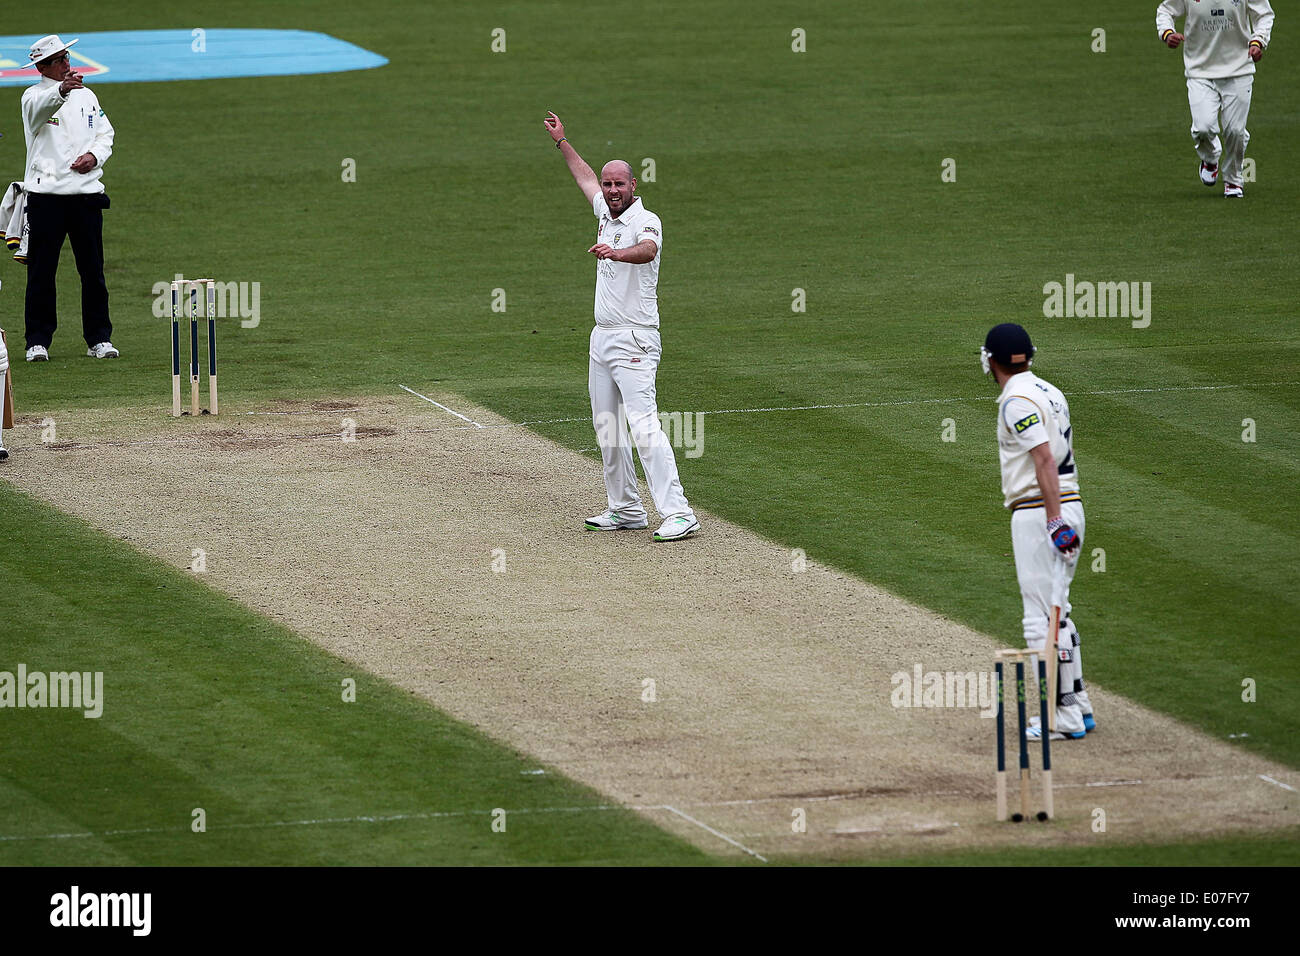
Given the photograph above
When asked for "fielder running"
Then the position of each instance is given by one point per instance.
(1224, 41)
(1040, 484)
(624, 350)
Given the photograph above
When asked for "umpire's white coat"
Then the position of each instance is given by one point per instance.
(58, 130)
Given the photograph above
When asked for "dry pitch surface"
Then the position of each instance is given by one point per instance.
(772, 687)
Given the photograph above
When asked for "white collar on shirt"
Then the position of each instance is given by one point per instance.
(631, 207)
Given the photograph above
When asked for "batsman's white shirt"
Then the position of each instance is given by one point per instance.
(1032, 411)
(1217, 34)
(626, 292)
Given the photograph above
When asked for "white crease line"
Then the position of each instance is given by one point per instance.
(752, 801)
(981, 398)
(369, 818)
(1110, 783)
(924, 401)
(83, 446)
(309, 411)
(717, 833)
(442, 406)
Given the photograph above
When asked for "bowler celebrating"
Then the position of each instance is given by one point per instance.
(1224, 41)
(624, 351)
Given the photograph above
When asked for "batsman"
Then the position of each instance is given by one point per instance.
(1040, 486)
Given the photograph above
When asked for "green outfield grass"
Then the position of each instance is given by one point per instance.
(214, 707)
(775, 171)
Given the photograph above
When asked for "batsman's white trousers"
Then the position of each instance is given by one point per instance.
(621, 381)
(1229, 99)
(1037, 569)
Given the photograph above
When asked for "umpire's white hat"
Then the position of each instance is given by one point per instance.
(46, 47)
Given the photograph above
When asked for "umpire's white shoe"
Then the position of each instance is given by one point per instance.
(1209, 173)
(38, 353)
(677, 527)
(615, 521)
(102, 350)
(1231, 191)
(4, 453)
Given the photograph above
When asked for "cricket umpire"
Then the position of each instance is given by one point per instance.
(623, 354)
(1224, 41)
(1040, 486)
(69, 139)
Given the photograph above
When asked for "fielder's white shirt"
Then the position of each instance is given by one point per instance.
(1030, 412)
(1218, 34)
(58, 130)
(626, 292)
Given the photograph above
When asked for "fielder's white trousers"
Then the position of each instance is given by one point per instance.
(1228, 99)
(621, 380)
(1038, 568)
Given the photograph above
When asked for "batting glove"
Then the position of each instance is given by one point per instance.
(1064, 538)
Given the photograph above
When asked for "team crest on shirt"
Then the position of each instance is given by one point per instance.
(617, 237)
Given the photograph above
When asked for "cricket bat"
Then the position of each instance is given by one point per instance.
(1050, 650)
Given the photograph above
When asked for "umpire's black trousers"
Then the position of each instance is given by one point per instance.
(50, 219)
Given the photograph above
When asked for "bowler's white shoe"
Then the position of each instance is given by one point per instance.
(1231, 191)
(102, 350)
(1209, 173)
(616, 521)
(677, 527)
(38, 353)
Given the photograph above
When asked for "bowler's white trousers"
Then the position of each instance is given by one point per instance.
(1037, 565)
(1231, 98)
(621, 380)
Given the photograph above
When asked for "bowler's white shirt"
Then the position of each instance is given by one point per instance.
(1217, 34)
(58, 130)
(626, 292)
(1030, 412)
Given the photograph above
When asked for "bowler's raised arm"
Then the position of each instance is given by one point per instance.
(582, 173)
